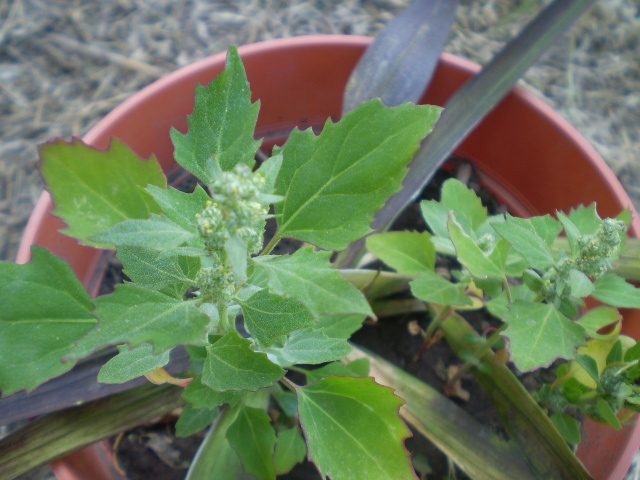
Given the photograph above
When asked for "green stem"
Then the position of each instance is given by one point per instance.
(225, 323)
(271, 245)
(292, 386)
(507, 289)
(435, 323)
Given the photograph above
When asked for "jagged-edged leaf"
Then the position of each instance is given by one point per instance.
(179, 206)
(157, 232)
(498, 306)
(409, 253)
(222, 124)
(203, 396)
(586, 219)
(354, 430)
(153, 269)
(96, 189)
(539, 334)
(253, 439)
(615, 291)
(291, 449)
(432, 288)
(313, 346)
(192, 420)
(347, 165)
(598, 318)
(44, 311)
(309, 277)
(525, 240)
(268, 316)
(464, 203)
(340, 327)
(132, 363)
(479, 263)
(136, 315)
(232, 365)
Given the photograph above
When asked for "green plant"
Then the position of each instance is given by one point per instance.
(195, 264)
(507, 265)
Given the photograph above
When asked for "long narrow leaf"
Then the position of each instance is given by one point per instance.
(53, 436)
(398, 65)
(472, 103)
(479, 452)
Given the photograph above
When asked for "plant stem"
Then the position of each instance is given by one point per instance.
(271, 245)
(507, 289)
(435, 323)
(292, 386)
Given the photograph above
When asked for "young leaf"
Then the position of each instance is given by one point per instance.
(436, 215)
(586, 219)
(136, 315)
(590, 366)
(607, 413)
(232, 365)
(309, 277)
(253, 439)
(149, 268)
(347, 165)
(568, 427)
(471, 255)
(614, 291)
(409, 253)
(132, 363)
(598, 318)
(202, 396)
(268, 316)
(193, 420)
(45, 310)
(524, 240)
(353, 429)
(222, 124)
(179, 206)
(539, 334)
(290, 450)
(432, 288)
(313, 346)
(157, 232)
(96, 189)
(464, 203)
(581, 285)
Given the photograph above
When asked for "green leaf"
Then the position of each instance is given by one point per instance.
(357, 368)
(132, 363)
(309, 277)
(253, 439)
(572, 232)
(581, 285)
(236, 251)
(614, 291)
(96, 189)
(314, 346)
(464, 203)
(598, 318)
(586, 219)
(616, 354)
(353, 429)
(291, 449)
(268, 316)
(44, 311)
(347, 165)
(179, 206)
(607, 413)
(568, 427)
(232, 365)
(270, 169)
(157, 232)
(149, 268)
(523, 239)
(136, 315)
(340, 327)
(539, 334)
(222, 124)
(193, 420)
(432, 288)
(590, 365)
(499, 305)
(409, 253)
(203, 396)
(471, 255)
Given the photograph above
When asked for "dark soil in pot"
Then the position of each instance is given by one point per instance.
(153, 451)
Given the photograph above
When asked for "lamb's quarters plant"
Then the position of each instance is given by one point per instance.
(507, 265)
(201, 278)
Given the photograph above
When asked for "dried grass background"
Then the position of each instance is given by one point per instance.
(65, 64)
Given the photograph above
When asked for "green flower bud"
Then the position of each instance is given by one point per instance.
(216, 282)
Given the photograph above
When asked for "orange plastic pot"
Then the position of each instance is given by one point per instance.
(531, 158)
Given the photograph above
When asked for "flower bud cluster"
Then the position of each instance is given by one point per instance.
(596, 249)
(216, 282)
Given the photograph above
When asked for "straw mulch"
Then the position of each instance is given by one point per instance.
(65, 64)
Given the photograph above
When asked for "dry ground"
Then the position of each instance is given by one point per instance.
(65, 64)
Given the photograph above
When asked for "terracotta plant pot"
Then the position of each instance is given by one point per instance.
(531, 158)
